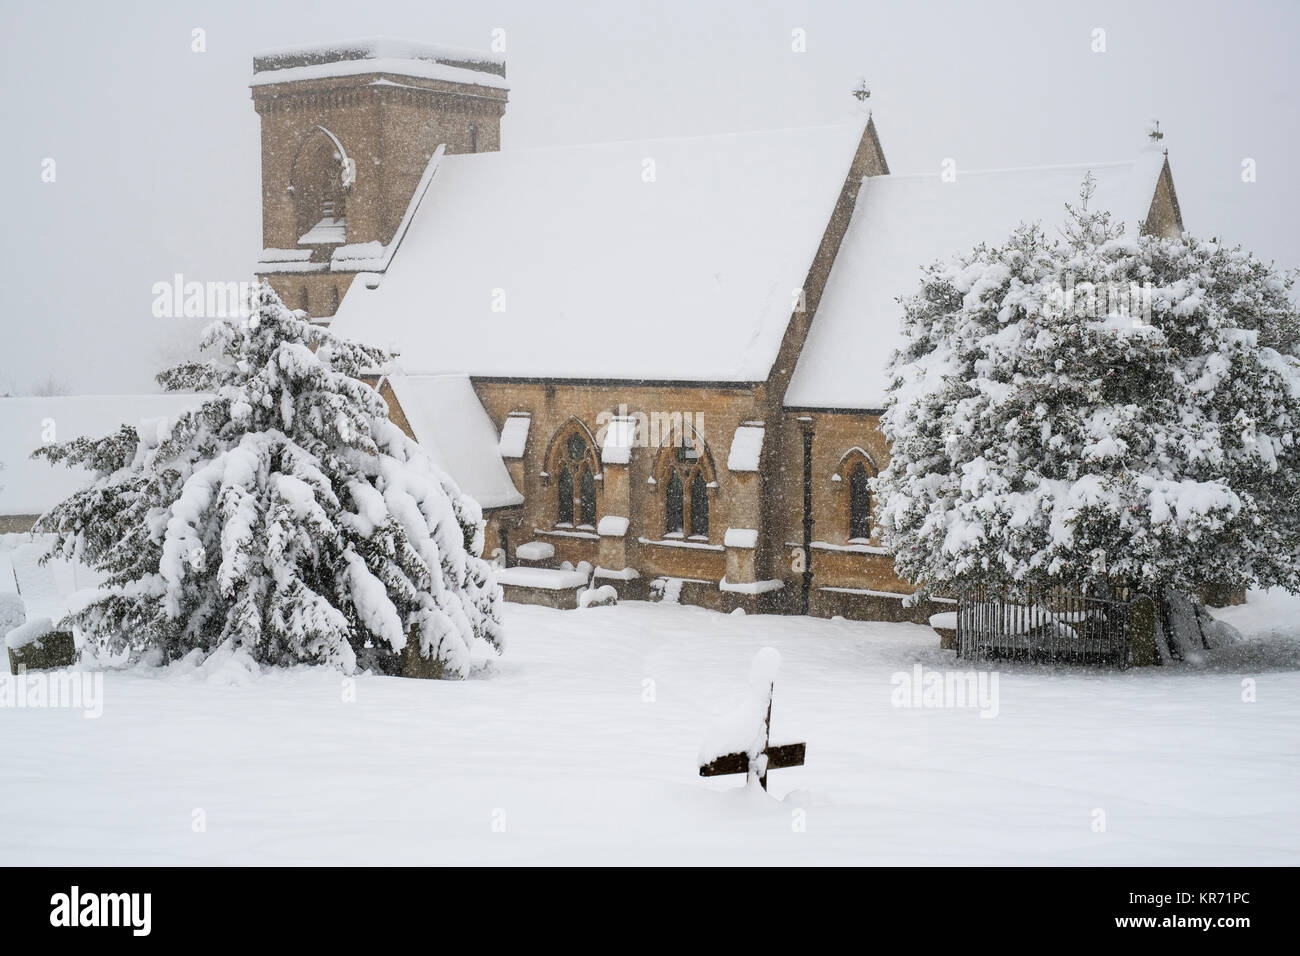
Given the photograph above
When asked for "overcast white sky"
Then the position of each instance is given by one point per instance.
(157, 147)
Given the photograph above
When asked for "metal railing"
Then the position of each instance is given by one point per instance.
(1043, 625)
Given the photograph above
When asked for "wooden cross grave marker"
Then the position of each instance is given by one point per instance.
(778, 757)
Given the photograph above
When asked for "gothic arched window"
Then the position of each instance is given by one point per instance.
(573, 463)
(587, 497)
(852, 481)
(674, 506)
(685, 473)
(699, 505)
(564, 496)
(859, 503)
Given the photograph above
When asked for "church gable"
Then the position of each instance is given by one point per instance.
(1164, 217)
(901, 224)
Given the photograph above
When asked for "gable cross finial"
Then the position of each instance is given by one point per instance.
(1154, 133)
(862, 93)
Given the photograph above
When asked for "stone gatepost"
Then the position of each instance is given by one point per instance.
(1142, 632)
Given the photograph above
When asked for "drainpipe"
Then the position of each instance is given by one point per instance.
(807, 517)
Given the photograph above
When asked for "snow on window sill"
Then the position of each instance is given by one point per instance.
(559, 531)
(667, 542)
(856, 546)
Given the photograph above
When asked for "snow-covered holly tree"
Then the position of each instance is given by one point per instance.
(1096, 411)
(284, 513)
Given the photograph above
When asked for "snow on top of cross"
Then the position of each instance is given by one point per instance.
(745, 729)
(451, 425)
(672, 259)
(379, 55)
(30, 487)
(902, 224)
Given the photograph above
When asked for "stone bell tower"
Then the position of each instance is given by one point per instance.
(347, 132)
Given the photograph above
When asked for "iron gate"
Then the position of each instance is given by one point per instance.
(1043, 625)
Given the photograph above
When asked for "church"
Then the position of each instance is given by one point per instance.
(662, 360)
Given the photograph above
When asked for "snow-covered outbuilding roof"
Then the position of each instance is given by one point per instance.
(30, 487)
(903, 223)
(668, 260)
(451, 424)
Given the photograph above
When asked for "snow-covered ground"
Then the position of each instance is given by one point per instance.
(562, 751)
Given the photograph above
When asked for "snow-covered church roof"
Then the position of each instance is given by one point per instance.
(30, 487)
(670, 259)
(452, 426)
(903, 223)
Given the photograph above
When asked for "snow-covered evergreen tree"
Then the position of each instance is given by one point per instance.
(1096, 411)
(285, 514)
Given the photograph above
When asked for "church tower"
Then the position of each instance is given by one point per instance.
(347, 132)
